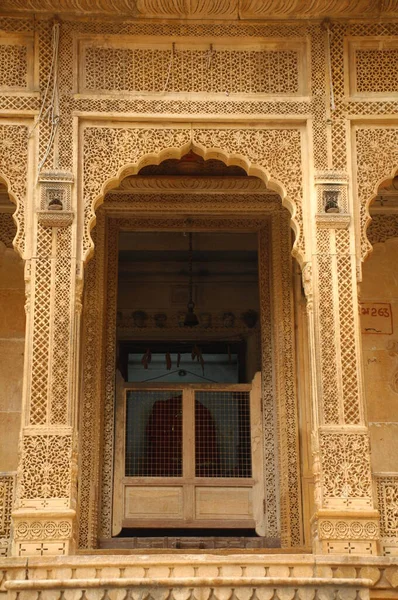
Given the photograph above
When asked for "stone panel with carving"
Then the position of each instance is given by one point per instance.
(345, 461)
(14, 168)
(7, 490)
(375, 70)
(45, 477)
(382, 227)
(113, 152)
(169, 68)
(13, 65)
(377, 161)
(387, 494)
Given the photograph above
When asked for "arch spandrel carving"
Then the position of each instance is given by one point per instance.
(13, 172)
(377, 163)
(112, 153)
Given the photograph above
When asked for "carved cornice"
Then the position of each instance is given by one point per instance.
(56, 176)
(212, 9)
(333, 221)
(193, 185)
(329, 176)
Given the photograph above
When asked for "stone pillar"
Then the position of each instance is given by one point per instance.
(345, 521)
(45, 507)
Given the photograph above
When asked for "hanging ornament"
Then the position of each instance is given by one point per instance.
(191, 320)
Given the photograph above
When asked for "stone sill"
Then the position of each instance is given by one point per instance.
(55, 218)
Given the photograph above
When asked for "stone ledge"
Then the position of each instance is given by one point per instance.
(332, 221)
(52, 218)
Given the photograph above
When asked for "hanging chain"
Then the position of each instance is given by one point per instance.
(190, 267)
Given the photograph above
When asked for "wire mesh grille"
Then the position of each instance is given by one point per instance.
(222, 434)
(153, 434)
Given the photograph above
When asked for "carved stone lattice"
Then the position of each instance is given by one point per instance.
(270, 424)
(187, 69)
(14, 168)
(382, 228)
(377, 159)
(13, 65)
(375, 70)
(319, 99)
(7, 485)
(110, 151)
(285, 377)
(327, 322)
(109, 377)
(352, 409)
(338, 322)
(337, 116)
(387, 495)
(345, 465)
(60, 395)
(41, 279)
(44, 30)
(44, 477)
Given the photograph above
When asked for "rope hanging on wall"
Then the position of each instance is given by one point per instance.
(329, 61)
(49, 110)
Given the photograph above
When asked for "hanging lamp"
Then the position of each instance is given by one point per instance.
(191, 320)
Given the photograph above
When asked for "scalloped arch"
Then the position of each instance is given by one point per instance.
(367, 217)
(14, 172)
(15, 215)
(376, 150)
(112, 153)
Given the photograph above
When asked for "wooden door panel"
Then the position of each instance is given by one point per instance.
(156, 501)
(223, 503)
(212, 491)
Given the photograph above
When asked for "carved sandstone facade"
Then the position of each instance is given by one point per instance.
(302, 103)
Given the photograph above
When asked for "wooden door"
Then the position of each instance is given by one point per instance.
(189, 456)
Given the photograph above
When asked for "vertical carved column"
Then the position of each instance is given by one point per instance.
(44, 512)
(345, 521)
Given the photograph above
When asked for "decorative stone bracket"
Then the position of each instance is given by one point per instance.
(55, 199)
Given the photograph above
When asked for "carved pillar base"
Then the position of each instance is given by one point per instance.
(43, 533)
(346, 532)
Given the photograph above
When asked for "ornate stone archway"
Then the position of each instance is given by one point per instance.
(262, 152)
(271, 153)
(376, 148)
